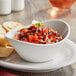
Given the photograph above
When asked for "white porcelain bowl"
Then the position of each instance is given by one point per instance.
(40, 52)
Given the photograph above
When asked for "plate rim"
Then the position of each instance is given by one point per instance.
(18, 66)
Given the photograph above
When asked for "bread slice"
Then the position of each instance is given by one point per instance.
(6, 51)
(5, 47)
(2, 30)
(3, 40)
(11, 25)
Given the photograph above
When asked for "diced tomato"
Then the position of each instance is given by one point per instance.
(24, 30)
(46, 30)
(30, 38)
(38, 34)
(44, 37)
(54, 33)
(22, 34)
(35, 38)
(33, 24)
(35, 34)
(37, 42)
(18, 38)
(53, 39)
(39, 37)
(42, 28)
(42, 25)
(49, 36)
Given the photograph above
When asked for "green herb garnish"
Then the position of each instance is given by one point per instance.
(39, 24)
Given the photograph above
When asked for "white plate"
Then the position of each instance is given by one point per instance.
(66, 56)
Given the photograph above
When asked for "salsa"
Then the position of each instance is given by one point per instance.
(39, 34)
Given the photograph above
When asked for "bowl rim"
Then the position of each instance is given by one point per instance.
(43, 44)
